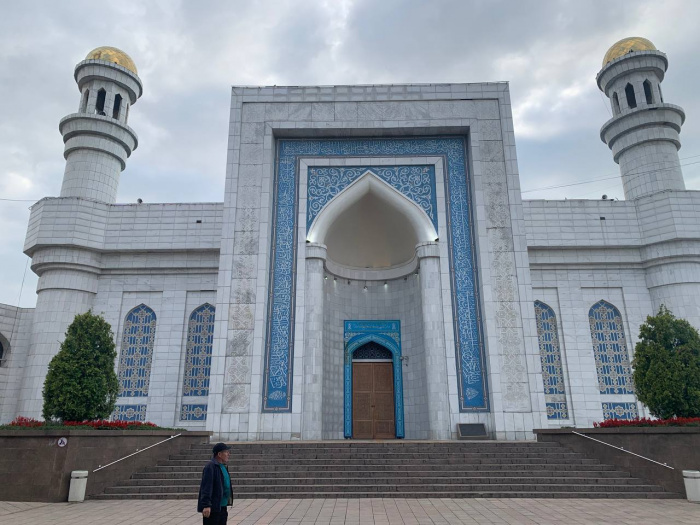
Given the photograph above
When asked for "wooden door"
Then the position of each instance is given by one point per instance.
(373, 401)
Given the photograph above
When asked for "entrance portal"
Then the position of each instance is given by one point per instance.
(373, 400)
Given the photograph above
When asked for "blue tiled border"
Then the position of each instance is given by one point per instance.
(387, 334)
(277, 381)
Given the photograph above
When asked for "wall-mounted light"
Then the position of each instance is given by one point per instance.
(325, 277)
(335, 278)
(385, 283)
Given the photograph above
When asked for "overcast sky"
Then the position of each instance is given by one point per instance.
(189, 54)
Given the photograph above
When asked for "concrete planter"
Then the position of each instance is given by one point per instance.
(678, 447)
(39, 469)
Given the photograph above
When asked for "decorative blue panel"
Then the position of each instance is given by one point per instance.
(415, 182)
(193, 413)
(610, 349)
(620, 411)
(137, 352)
(129, 413)
(472, 384)
(550, 356)
(388, 335)
(557, 410)
(200, 339)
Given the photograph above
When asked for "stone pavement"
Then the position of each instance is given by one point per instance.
(361, 511)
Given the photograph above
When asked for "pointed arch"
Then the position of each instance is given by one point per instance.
(117, 106)
(200, 341)
(616, 104)
(610, 349)
(4, 349)
(629, 94)
(136, 355)
(550, 356)
(369, 183)
(100, 103)
(84, 101)
(647, 92)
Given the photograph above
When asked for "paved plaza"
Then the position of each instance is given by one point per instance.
(361, 511)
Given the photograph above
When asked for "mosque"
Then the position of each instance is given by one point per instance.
(372, 271)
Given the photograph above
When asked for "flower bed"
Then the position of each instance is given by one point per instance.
(100, 424)
(646, 422)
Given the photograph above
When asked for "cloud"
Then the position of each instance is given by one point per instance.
(189, 54)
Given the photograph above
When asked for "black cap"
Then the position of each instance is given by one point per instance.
(220, 447)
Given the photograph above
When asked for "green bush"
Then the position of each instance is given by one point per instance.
(667, 366)
(81, 383)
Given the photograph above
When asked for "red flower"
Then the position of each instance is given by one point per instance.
(647, 422)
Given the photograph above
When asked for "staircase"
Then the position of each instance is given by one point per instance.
(392, 469)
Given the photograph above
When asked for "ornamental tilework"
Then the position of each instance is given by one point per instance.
(387, 335)
(620, 411)
(550, 356)
(200, 339)
(415, 182)
(279, 351)
(137, 352)
(193, 412)
(610, 349)
(557, 411)
(371, 350)
(129, 413)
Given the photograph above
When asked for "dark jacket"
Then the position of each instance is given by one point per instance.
(212, 487)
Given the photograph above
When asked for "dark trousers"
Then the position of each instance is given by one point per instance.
(216, 518)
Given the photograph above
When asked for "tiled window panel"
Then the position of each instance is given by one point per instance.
(620, 411)
(610, 349)
(137, 352)
(129, 413)
(190, 412)
(550, 355)
(200, 338)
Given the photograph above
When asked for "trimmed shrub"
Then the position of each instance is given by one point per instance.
(81, 383)
(667, 366)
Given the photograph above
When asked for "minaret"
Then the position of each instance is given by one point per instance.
(66, 259)
(97, 138)
(643, 132)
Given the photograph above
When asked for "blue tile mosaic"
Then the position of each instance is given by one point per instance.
(193, 413)
(200, 339)
(550, 356)
(620, 411)
(129, 413)
(557, 410)
(387, 334)
(610, 349)
(470, 359)
(137, 352)
(415, 182)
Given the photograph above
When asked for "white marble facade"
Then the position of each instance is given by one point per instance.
(380, 204)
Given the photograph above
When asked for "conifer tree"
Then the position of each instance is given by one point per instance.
(81, 383)
(667, 366)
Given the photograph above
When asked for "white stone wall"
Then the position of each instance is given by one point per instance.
(15, 331)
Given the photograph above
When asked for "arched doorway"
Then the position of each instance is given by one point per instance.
(373, 380)
(373, 393)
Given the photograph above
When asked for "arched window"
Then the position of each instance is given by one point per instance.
(117, 106)
(371, 350)
(200, 339)
(661, 95)
(550, 356)
(629, 93)
(100, 105)
(2, 354)
(84, 102)
(610, 349)
(647, 92)
(126, 118)
(616, 104)
(137, 352)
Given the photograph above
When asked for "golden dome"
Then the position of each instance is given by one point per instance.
(627, 45)
(112, 54)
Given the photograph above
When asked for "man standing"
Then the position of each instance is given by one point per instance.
(215, 489)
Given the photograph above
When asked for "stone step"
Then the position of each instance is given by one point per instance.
(384, 473)
(371, 455)
(321, 467)
(385, 461)
(396, 488)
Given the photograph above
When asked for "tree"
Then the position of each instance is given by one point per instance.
(667, 366)
(81, 383)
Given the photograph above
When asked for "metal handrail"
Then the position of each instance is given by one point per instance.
(137, 452)
(623, 450)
